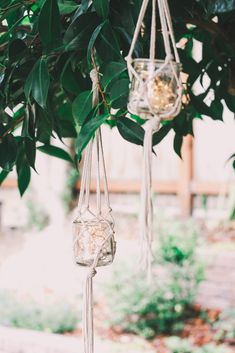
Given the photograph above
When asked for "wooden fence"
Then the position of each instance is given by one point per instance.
(202, 171)
(185, 188)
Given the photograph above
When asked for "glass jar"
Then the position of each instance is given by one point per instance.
(89, 235)
(156, 91)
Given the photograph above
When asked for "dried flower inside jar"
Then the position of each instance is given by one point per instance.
(90, 239)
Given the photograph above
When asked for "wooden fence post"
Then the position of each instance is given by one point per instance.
(186, 176)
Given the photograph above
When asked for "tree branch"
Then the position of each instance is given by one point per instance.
(210, 27)
(99, 83)
(11, 129)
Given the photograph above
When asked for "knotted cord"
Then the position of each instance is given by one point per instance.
(152, 124)
(146, 214)
(101, 217)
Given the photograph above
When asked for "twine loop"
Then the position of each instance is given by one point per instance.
(94, 75)
(100, 215)
(152, 124)
(91, 273)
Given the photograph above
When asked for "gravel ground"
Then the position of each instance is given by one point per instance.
(39, 263)
(25, 341)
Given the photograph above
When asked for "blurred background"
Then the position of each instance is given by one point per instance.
(190, 305)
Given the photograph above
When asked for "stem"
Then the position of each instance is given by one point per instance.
(99, 83)
(18, 4)
(17, 122)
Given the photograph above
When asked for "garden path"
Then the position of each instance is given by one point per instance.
(25, 341)
(218, 289)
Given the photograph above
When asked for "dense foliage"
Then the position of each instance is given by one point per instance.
(52, 315)
(163, 306)
(178, 345)
(48, 47)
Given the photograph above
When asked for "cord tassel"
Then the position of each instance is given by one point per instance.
(94, 244)
(151, 126)
(88, 326)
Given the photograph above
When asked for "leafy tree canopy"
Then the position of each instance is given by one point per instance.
(48, 47)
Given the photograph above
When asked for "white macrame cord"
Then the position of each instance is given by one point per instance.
(170, 58)
(102, 215)
(152, 124)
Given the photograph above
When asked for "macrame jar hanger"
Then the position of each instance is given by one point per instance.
(155, 95)
(94, 243)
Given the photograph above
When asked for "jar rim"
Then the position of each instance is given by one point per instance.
(92, 221)
(155, 61)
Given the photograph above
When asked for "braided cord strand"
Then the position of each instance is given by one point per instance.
(153, 119)
(83, 207)
(146, 214)
(88, 324)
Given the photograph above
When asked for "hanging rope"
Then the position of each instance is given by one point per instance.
(146, 215)
(153, 32)
(166, 26)
(101, 218)
(88, 325)
(140, 103)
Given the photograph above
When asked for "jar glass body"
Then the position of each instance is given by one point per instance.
(155, 90)
(89, 236)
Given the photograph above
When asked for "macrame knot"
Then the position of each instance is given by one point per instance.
(152, 124)
(169, 57)
(91, 273)
(94, 77)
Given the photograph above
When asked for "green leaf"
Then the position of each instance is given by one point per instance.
(112, 71)
(66, 7)
(69, 79)
(49, 26)
(232, 157)
(9, 11)
(190, 66)
(107, 44)
(85, 5)
(130, 131)
(25, 127)
(40, 3)
(230, 101)
(178, 141)
(23, 172)
(28, 85)
(16, 50)
(93, 39)
(38, 82)
(82, 106)
(3, 175)
(80, 31)
(66, 120)
(217, 109)
(202, 108)
(8, 152)
(30, 151)
(55, 152)
(28, 126)
(44, 125)
(119, 93)
(4, 38)
(87, 132)
(101, 7)
(2, 72)
(183, 123)
(159, 135)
